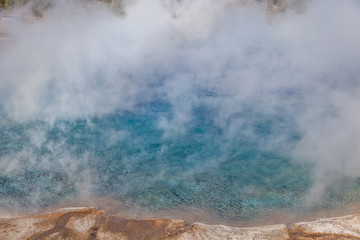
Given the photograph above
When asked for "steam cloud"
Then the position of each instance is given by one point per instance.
(77, 63)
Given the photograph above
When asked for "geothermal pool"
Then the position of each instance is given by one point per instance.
(126, 155)
(234, 111)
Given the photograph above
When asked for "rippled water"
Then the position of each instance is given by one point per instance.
(126, 155)
(230, 111)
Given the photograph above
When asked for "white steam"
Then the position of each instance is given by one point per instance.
(78, 63)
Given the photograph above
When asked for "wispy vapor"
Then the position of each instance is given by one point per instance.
(230, 56)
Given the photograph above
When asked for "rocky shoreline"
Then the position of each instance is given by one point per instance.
(91, 223)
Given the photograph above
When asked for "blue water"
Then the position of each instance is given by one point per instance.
(126, 155)
(238, 114)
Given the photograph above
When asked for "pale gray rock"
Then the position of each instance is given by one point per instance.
(202, 231)
(346, 227)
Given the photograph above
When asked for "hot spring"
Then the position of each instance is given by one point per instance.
(183, 105)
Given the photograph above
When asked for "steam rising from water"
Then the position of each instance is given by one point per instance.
(214, 83)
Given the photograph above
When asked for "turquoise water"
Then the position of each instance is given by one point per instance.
(128, 156)
(240, 115)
